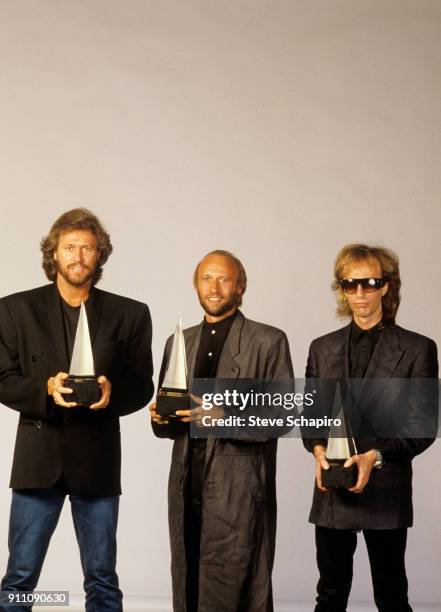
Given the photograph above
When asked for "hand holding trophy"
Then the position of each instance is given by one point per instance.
(173, 394)
(341, 447)
(85, 387)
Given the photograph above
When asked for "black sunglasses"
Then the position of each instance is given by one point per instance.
(350, 285)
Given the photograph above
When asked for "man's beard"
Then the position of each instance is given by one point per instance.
(218, 309)
(76, 280)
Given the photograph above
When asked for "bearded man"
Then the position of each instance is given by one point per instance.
(63, 448)
(222, 493)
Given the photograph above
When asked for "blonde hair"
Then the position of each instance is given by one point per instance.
(390, 270)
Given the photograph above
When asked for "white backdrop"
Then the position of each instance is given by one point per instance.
(280, 130)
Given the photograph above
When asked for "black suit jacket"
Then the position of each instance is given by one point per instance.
(81, 444)
(386, 502)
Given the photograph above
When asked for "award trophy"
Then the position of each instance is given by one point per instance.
(173, 394)
(340, 447)
(81, 379)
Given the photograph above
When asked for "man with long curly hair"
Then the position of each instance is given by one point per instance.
(63, 448)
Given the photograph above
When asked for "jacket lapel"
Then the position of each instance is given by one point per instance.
(192, 340)
(57, 343)
(337, 357)
(382, 365)
(229, 362)
(93, 310)
(386, 355)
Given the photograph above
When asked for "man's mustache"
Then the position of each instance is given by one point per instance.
(78, 265)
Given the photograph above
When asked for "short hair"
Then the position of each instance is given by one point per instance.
(75, 219)
(390, 270)
(242, 275)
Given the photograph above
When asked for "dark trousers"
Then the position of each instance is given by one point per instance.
(386, 549)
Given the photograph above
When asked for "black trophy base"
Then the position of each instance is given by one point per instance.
(168, 401)
(339, 477)
(86, 390)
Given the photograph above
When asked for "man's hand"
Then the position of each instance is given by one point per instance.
(157, 418)
(56, 389)
(365, 463)
(195, 415)
(320, 457)
(106, 390)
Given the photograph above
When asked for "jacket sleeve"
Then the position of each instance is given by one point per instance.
(134, 387)
(279, 365)
(423, 402)
(25, 394)
(312, 371)
(280, 378)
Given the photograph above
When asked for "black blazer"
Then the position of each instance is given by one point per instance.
(386, 502)
(79, 443)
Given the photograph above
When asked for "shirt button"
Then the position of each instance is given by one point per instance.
(213, 331)
(210, 354)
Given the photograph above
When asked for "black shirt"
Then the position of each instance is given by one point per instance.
(213, 338)
(71, 315)
(362, 346)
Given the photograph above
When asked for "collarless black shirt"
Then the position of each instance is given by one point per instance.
(71, 314)
(213, 338)
(362, 346)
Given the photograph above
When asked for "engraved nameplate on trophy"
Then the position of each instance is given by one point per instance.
(82, 380)
(173, 394)
(341, 446)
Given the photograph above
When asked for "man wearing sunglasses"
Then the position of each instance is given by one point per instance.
(367, 286)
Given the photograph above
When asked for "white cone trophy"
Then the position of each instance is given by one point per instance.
(341, 446)
(82, 380)
(173, 394)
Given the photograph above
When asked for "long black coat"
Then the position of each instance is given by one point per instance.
(239, 496)
(386, 502)
(81, 443)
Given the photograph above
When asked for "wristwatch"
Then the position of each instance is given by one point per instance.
(379, 462)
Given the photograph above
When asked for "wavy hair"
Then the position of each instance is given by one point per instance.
(75, 219)
(390, 270)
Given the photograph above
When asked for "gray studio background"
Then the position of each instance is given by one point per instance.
(280, 130)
